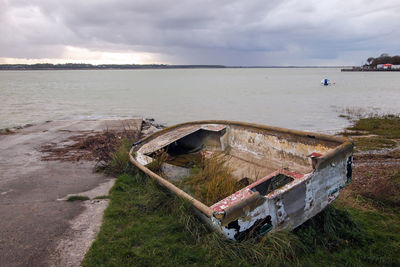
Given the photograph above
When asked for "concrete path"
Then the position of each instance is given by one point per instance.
(36, 228)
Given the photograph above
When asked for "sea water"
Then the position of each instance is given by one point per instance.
(286, 97)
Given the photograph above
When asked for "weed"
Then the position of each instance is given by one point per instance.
(77, 198)
(190, 160)
(274, 249)
(373, 143)
(213, 181)
(146, 225)
(119, 162)
(332, 229)
(386, 126)
(159, 158)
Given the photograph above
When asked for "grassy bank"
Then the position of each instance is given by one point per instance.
(145, 225)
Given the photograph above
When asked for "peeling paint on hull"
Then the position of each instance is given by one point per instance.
(301, 173)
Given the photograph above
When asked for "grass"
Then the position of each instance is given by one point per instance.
(382, 128)
(387, 126)
(158, 160)
(212, 180)
(373, 143)
(77, 198)
(144, 225)
(377, 244)
(377, 179)
(120, 162)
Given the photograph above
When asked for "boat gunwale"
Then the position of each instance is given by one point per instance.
(345, 144)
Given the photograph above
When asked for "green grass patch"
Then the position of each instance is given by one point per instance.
(373, 143)
(77, 198)
(144, 225)
(378, 245)
(120, 162)
(386, 126)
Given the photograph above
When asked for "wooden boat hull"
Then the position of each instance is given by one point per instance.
(293, 174)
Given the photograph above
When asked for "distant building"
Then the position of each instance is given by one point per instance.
(384, 66)
(395, 66)
(387, 66)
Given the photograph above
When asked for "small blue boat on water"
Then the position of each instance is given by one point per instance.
(325, 82)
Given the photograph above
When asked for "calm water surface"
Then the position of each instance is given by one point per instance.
(290, 98)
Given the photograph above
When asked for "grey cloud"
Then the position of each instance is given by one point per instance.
(204, 32)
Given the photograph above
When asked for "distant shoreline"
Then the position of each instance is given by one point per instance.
(357, 69)
(70, 66)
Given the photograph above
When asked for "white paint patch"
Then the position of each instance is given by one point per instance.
(260, 212)
(230, 233)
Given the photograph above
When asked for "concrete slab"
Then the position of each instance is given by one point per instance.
(33, 221)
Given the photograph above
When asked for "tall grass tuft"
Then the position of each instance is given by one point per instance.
(120, 162)
(158, 159)
(213, 181)
(333, 229)
(273, 249)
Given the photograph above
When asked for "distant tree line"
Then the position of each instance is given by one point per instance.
(74, 66)
(383, 59)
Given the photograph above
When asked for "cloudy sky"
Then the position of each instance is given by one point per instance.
(229, 32)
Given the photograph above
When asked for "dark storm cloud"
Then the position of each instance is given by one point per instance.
(250, 32)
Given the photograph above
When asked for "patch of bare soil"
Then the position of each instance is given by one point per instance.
(377, 176)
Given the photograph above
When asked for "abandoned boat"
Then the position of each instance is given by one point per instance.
(289, 175)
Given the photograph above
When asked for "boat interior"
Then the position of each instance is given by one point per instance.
(251, 153)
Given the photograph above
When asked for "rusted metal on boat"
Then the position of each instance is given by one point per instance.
(293, 174)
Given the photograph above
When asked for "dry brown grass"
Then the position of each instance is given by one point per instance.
(213, 181)
(99, 147)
